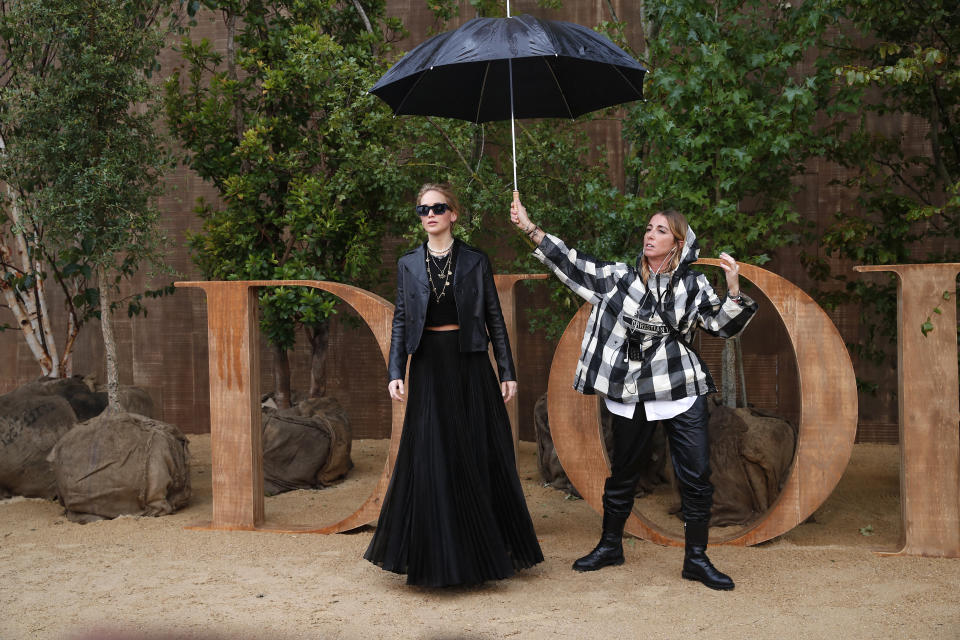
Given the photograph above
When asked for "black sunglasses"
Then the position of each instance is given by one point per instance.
(438, 209)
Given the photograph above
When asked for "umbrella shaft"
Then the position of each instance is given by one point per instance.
(513, 131)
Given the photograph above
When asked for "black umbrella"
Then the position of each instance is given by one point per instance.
(523, 67)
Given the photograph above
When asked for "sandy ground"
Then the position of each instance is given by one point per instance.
(136, 578)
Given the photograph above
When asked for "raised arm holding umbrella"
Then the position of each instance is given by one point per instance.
(638, 355)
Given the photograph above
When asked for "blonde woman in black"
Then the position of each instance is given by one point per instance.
(454, 513)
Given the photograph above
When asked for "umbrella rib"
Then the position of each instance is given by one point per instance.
(559, 88)
(627, 80)
(410, 90)
(483, 86)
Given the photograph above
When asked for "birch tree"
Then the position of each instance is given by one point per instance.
(81, 161)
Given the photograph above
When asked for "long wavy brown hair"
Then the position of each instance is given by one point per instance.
(678, 226)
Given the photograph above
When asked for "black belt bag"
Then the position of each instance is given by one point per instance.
(637, 330)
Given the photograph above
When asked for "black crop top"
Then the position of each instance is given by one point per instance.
(444, 311)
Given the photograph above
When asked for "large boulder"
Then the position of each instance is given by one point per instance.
(750, 456)
(31, 423)
(305, 447)
(552, 471)
(751, 452)
(121, 464)
(36, 415)
(131, 399)
(79, 392)
(89, 399)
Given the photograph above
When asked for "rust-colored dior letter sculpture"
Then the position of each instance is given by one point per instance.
(929, 408)
(928, 412)
(235, 429)
(828, 419)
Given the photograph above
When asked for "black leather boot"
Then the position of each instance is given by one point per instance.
(696, 564)
(609, 551)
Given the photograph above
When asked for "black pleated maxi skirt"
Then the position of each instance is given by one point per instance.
(454, 513)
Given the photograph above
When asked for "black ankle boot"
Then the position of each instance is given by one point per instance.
(696, 564)
(609, 551)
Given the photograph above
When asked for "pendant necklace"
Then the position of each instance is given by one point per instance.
(444, 269)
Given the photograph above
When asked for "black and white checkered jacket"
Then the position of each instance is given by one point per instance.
(667, 309)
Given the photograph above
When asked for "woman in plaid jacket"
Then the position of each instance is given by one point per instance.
(637, 349)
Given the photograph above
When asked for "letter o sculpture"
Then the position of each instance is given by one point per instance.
(828, 410)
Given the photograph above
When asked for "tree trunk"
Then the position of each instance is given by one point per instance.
(73, 330)
(22, 317)
(319, 337)
(281, 377)
(46, 328)
(109, 342)
(363, 15)
(29, 307)
(729, 374)
(646, 30)
(232, 74)
(740, 373)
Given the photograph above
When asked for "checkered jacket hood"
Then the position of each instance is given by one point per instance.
(669, 368)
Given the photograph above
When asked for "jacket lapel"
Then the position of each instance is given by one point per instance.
(468, 260)
(415, 263)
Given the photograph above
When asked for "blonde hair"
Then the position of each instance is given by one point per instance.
(678, 226)
(444, 188)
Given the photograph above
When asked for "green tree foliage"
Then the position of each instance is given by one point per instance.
(727, 119)
(726, 125)
(895, 62)
(912, 64)
(306, 162)
(82, 158)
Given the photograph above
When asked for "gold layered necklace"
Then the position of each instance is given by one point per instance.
(443, 260)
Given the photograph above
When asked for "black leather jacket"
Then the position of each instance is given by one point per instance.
(478, 309)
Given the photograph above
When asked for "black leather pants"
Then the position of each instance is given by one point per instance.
(689, 450)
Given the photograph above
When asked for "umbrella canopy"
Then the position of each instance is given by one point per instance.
(559, 69)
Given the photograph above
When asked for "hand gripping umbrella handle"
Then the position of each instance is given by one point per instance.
(526, 236)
